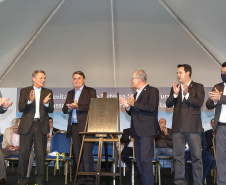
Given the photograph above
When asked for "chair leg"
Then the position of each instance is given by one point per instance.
(113, 172)
(156, 173)
(132, 175)
(47, 173)
(55, 168)
(159, 173)
(124, 169)
(66, 168)
(70, 173)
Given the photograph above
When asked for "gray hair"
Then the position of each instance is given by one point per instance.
(141, 74)
(15, 121)
(36, 72)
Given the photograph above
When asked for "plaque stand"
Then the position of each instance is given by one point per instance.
(104, 115)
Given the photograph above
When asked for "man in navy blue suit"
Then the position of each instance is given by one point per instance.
(143, 109)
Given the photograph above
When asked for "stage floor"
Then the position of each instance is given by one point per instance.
(166, 178)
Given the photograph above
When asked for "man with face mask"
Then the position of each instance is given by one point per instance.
(217, 101)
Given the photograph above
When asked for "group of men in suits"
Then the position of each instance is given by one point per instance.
(187, 99)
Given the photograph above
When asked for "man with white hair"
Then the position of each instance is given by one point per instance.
(10, 146)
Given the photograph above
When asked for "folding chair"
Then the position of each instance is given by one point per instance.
(60, 144)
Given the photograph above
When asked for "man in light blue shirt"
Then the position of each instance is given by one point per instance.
(77, 106)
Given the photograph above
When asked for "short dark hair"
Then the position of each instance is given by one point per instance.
(36, 72)
(186, 67)
(224, 64)
(50, 118)
(79, 73)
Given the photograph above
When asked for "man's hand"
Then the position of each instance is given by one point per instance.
(176, 88)
(124, 102)
(32, 96)
(4, 102)
(48, 136)
(165, 130)
(47, 98)
(130, 100)
(185, 90)
(73, 105)
(215, 95)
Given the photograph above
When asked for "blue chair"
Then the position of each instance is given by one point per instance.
(110, 150)
(60, 144)
(155, 162)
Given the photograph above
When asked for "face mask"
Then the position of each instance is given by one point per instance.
(223, 76)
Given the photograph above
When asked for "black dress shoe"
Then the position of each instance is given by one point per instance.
(2, 181)
(28, 180)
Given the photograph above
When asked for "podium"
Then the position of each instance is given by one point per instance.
(103, 120)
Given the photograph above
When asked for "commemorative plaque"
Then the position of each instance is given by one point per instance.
(103, 115)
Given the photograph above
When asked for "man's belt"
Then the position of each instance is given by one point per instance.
(36, 119)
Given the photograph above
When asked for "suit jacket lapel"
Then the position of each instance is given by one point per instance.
(42, 96)
(142, 92)
(82, 93)
(221, 87)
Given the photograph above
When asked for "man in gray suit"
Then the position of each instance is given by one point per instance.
(35, 102)
(187, 99)
(217, 101)
(4, 104)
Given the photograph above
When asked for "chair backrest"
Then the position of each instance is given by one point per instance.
(110, 148)
(1, 139)
(60, 143)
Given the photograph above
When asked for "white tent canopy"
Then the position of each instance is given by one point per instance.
(108, 39)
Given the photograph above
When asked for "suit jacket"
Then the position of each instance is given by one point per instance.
(126, 136)
(1, 109)
(29, 110)
(210, 104)
(209, 139)
(187, 114)
(7, 137)
(83, 107)
(144, 113)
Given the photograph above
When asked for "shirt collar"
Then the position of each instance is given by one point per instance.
(187, 84)
(79, 89)
(139, 90)
(37, 89)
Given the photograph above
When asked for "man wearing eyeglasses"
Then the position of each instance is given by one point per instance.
(143, 109)
(217, 101)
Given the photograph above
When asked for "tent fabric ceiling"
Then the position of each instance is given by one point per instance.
(79, 37)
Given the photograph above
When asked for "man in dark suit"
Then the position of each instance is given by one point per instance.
(187, 99)
(217, 101)
(4, 104)
(35, 103)
(77, 106)
(209, 138)
(143, 109)
(127, 149)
